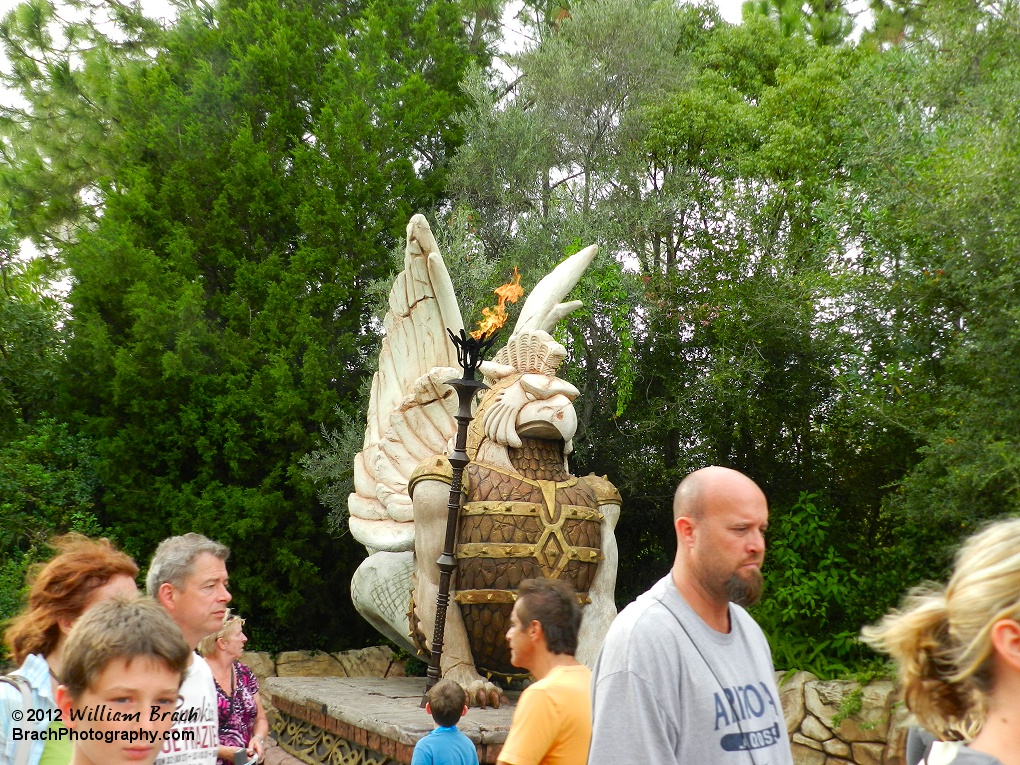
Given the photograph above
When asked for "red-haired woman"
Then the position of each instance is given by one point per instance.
(83, 573)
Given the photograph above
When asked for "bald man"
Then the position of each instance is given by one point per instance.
(685, 675)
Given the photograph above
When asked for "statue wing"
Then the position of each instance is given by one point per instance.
(410, 412)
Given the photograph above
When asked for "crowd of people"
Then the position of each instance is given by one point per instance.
(105, 676)
(684, 674)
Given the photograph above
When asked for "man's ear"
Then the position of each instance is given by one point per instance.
(428, 708)
(535, 631)
(684, 526)
(1006, 641)
(165, 596)
(464, 711)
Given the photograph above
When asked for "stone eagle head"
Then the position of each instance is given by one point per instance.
(525, 398)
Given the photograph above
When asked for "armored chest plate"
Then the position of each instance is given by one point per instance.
(514, 528)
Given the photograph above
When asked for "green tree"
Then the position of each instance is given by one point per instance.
(29, 345)
(47, 482)
(894, 21)
(714, 161)
(827, 22)
(56, 126)
(266, 160)
(946, 214)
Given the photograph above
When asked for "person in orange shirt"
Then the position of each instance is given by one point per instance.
(552, 722)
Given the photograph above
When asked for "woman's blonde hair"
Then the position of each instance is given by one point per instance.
(941, 637)
(207, 646)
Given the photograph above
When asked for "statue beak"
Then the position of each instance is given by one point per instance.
(552, 418)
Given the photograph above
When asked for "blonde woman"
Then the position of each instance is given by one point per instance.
(243, 722)
(958, 649)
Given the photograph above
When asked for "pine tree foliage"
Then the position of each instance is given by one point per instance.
(827, 22)
(59, 117)
(266, 161)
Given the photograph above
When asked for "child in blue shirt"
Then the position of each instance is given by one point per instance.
(447, 703)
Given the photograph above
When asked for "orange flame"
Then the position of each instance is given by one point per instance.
(496, 316)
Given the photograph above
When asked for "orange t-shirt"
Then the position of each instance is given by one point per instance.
(552, 722)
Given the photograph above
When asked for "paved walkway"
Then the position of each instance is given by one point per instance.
(275, 755)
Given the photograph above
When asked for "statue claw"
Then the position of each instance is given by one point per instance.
(492, 698)
(481, 692)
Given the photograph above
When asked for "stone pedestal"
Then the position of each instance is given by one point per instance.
(369, 721)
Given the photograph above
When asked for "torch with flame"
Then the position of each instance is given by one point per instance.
(496, 316)
(469, 353)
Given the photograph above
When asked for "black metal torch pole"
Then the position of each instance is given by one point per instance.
(469, 353)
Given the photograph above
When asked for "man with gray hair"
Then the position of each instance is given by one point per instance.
(188, 577)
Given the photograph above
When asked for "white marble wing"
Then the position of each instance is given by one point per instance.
(543, 310)
(410, 412)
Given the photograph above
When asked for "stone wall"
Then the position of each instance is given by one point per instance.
(375, 661)
(870, 729)
(870, 724)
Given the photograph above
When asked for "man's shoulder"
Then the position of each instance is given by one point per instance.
(641, 619)
(560, 687)
(199, 665)
(572, 674)
(198, 682)
(644, 641)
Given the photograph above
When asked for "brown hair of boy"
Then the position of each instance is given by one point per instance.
(447, 700)
(121, 629)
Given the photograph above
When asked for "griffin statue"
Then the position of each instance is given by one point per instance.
(523, 515)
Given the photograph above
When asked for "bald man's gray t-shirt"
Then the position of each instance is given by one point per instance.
(667, 688)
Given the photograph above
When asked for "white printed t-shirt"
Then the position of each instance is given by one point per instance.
(667, 688)
(196, 713)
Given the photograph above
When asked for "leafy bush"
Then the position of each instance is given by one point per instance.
(47, 485)
(808, 588)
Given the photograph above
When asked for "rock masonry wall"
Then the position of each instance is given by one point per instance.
(872, 733)
(375, 661)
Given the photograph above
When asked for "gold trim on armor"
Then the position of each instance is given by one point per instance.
(525, 509)
(581, 513)
(473, 597)
(494, 550)
(497, 550)
(570, 480)
(501, 508)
